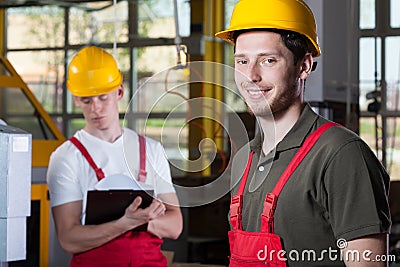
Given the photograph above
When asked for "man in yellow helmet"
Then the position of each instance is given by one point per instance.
(104, 149)
(307, 192)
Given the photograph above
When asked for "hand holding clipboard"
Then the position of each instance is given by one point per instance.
(113, 195)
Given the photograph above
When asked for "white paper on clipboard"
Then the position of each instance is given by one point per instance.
(121, 182)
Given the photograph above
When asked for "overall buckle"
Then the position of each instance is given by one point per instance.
(267, 216)
(236, 211)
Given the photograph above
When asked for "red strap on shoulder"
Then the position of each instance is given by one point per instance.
(245, 174)
(235, 216)
(99, 172)
(301, 153)
(142, 151)
(272, 198)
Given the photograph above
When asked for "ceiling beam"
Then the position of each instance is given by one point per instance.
(85, 4)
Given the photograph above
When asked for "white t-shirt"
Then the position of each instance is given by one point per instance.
(70, 176)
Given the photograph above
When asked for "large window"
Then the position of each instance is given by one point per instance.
(379, 80)
(140, 34)
(395, 13)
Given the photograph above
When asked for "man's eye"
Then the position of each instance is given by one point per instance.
(241, 61)
(267, 61)
(103, 97)
(85, 100)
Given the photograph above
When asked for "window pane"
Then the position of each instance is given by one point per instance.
(393, 72)
(395, 13)
(229, 5)
(393, 148)
(35, 27)
(155, 80)
(367, 132)
(98, 26)
(156, 18)
(156, 96)
(43, 72)
(22, 114)
(369, 68)
(122, 57)
(367, 14)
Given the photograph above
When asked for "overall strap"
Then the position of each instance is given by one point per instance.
(99, 172)
(267, 216)
(142, 153)
(237, 200)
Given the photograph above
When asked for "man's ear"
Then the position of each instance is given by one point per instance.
(120, 92)
(306, 66)
(76, 101)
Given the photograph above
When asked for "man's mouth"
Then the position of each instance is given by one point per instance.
(257, 93)
(97, 118)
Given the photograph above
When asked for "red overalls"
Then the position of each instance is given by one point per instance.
(263, 248)
(133, 249)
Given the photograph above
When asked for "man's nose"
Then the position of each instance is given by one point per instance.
(253, 72)
(95, 105)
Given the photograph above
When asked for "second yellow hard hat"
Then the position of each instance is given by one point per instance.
(292, 15)
(93, 71)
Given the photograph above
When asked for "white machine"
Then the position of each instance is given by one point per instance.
(15, 192)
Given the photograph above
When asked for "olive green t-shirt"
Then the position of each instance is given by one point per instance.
(339, 191)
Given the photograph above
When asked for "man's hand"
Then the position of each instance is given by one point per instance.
(375, 244)
(135, 216)
(164, 220)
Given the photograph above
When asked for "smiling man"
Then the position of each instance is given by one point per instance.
(315, 187)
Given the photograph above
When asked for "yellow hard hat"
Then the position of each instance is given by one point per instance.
(93, 71)
(292, 15)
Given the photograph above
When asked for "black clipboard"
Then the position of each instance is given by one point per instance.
(108, 205)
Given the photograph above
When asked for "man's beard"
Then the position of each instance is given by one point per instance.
(276, 105)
